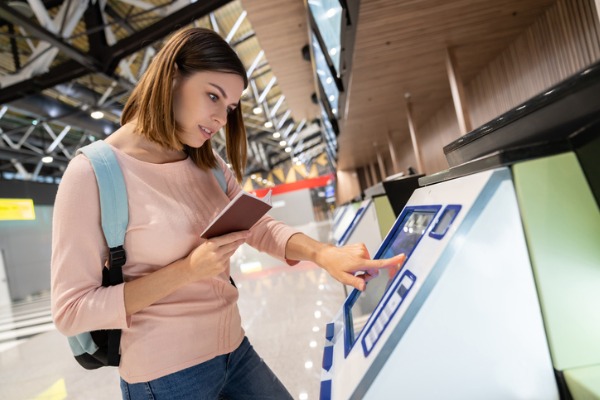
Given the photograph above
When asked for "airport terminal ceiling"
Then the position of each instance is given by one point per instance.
(55, 72)
(400, 49)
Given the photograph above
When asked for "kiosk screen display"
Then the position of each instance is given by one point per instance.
(408, 234)
(406, 237)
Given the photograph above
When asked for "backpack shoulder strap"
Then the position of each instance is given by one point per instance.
(114, 213)
(113, 193)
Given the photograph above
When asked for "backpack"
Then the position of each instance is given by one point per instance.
(100, 348)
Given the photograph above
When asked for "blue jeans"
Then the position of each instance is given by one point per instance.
(241, 375)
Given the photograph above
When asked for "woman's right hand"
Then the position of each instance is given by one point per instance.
(211, 258)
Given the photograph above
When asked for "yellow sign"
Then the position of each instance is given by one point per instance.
(16, 209)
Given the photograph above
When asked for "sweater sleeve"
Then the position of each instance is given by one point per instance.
(79, 251)
(267, 235)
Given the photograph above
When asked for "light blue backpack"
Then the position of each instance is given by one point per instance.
(101, 348)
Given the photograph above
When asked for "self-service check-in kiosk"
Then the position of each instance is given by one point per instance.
(370, 224)
(342, 219)
(499, 295)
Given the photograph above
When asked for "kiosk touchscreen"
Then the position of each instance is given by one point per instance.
(401, 240)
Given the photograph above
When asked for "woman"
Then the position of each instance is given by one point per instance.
(182, 336)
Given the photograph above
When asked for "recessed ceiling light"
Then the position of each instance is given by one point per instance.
(97, 114)
(268, 124)
(47, 159)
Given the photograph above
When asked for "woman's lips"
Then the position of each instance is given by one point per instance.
(205, 131)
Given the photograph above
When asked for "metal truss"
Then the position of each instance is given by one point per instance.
(67, 58)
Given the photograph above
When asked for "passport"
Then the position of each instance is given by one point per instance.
(240, 214)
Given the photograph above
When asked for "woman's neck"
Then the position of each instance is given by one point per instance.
(129, 141)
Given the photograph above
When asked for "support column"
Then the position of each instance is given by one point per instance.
(458, 93)
(598, 10)
(395, 166)
(381, 163)
(413, 136)
(367, 175)
(373, 173)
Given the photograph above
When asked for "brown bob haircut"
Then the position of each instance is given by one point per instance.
(151, 102)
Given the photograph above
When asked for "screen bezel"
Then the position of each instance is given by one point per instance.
(393, 288)
(349, 338)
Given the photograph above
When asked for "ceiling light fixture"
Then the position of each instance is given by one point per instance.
(47, 159)
(97, 115)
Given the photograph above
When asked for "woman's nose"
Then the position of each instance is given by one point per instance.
(220, 117)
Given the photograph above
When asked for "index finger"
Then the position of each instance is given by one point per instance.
(387, 262)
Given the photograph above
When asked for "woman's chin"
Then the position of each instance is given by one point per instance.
(196, 143)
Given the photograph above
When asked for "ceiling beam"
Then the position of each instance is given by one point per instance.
(159, 30)
(81, 64)
(49, 109)
(26, 156)
(49, 4)
(14, 48)
(65, 72)
(98, 45)
(15, 17)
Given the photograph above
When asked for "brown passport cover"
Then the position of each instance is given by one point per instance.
(243, 212)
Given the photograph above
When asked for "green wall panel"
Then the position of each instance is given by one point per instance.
(385, 214)
(562, 225)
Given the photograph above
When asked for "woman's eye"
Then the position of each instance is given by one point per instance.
(213, 97)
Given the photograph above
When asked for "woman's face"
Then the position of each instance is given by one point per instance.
(201, 103)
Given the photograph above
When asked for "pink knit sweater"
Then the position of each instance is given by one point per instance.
(169, 206)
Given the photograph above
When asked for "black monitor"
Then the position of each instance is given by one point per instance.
(399, 191)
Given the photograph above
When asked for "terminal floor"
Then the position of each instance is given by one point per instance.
(284, 311)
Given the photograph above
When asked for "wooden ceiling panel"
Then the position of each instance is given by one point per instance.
(282, 32)
(400, 47)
